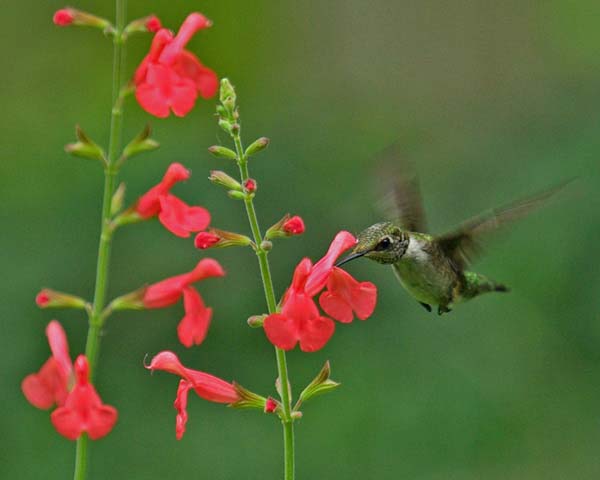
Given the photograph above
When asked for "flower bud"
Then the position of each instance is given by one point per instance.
(221, 178)
(257, 146)
(235, 128)
(320, 384)
(150, 23)
(116, 203)
(215, 238)
(141, 143)
(296, 415)
(250, 185)
(222, 152)
(72, 16)
(47, 298)
(270, 405)
(227, 91)
(286, 227)
(237, 195)
(225, 125)
(85, 147)
(266, 245)
(256, 321)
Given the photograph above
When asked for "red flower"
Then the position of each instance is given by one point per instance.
(83, 410)
(153, 24)
(206, 240)
(294, 226)
(270, 405)
(345, 295)
(194, 325)
(63, 17)
(169, 77)
(51, 384)
(169, 291)
(207, 386)
(299, 320)
(250, 185)
(175, 215)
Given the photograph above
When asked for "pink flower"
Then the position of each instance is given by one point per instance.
(193, 327)
(299, 320)
(51, 384)
(83, 410)
(207, 386)
(294, 226)
(170, 77)
(63, 17)
(176, 216)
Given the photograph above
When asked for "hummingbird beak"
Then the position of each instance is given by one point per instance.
(352, 256)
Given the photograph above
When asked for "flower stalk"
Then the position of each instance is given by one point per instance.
(96, 319)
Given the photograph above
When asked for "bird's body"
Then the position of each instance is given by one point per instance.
(433, 269)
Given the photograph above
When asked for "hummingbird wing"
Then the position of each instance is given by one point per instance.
(464, 244)
(402, 203)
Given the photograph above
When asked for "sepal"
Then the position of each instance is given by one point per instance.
(320, 384)
(85, 147)
(130, 301)
(141, 143)
(248, 399)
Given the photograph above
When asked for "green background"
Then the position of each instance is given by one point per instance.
(491, 100)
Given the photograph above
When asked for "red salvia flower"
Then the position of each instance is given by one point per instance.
(299, 320)
(83, 410)
(170, 77)
(294, 226)
(345, 295)
(194, 325)
(51, 384)
(153, 24)
(169, 291)
(176, 216)
(207, 386)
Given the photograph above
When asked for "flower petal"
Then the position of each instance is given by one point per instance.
(60, 348)
(282, 331)
(181, 219)
(187, 65)
(345, 294)
(194, 22)
(180, 405)
(45, 388)
(193, 327)
(149, 204)
(316, 334)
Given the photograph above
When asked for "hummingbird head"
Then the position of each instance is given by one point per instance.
(383, 242)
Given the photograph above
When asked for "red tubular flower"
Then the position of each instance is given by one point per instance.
(170, 77)
(180, 218)
(345, 295)
(50, 385)
(169, 291)
(149, 204)
(294, 226)
(320, 272)
(299, 320)
(63, 17)
(83, 410)
(194, 325)
(206, 240)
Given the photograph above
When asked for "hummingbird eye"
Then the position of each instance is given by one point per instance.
(384, 243)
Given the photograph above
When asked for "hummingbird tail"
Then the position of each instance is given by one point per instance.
(476, 284)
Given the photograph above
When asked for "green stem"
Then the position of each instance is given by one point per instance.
(96, 319)
(265, 271)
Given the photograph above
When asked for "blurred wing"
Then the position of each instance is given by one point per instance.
(402, 202)
(464, 244)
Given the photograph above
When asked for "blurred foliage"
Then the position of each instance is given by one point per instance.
(491, 100)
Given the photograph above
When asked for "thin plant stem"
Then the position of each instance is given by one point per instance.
(265, 271)
(96, 319)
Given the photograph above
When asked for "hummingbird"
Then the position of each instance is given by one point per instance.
(433, 269)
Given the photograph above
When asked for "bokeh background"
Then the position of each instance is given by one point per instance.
(491, 100)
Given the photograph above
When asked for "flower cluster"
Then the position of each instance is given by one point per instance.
(300, 321)
(79, 408)
(176, 215)
(170, 77)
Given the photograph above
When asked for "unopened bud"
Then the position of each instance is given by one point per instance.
(215, 238)
(266, 245)
(141, 143)
(225, 125)
(286, 227)
(222, 152)
(237, 195)
(270, 405)
(226, 91)
(257, 146)
(116, 203)
(256, 321)
(296, 415)
(250, 185)
(235, 128)
(47, 298)
(85, 147)
(221, 178)
(72, 16)
(150, 23)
